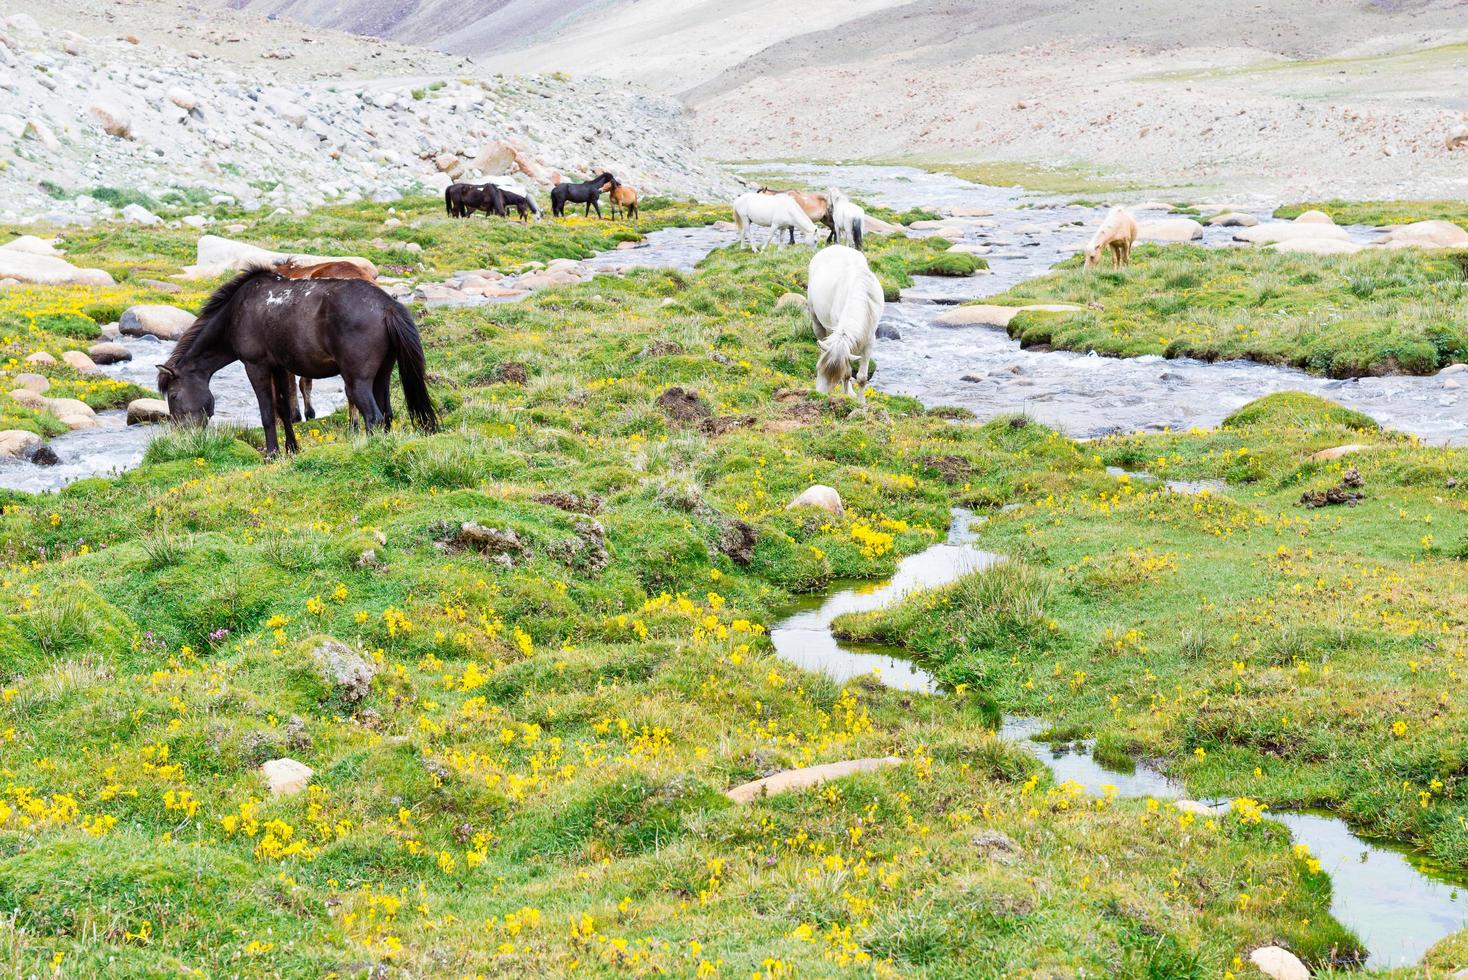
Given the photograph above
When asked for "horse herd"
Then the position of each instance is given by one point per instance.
(498, 195)
(293, 322)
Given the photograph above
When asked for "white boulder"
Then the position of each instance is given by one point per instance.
(1313, 217)
(1279, 963)
(47, 270)
(155, 320)
(286, 777)
(136, 214)
(1426, 234)
(1169, 230)
(1281, 231)
(1316, 246)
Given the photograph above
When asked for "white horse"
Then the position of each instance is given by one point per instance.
(774, 211)
(1118, 233)
(845, 302)
(849, 219)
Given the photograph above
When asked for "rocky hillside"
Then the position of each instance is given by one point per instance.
(1291, 98)
(92, 122)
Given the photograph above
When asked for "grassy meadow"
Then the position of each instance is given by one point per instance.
(1375, 312)
(532, 782)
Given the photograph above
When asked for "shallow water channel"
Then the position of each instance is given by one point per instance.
(1394, 902)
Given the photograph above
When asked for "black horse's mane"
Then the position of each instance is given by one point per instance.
(211, 318)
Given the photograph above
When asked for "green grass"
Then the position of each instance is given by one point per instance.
(1305, 658)
(1341, 316)
(1381, 212)
(533, 784)
(1035, 177)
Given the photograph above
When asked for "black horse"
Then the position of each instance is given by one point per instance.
(587, 193)
(462, 200)
(313, 328)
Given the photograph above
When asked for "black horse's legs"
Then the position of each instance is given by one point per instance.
(264, 386)
(283, 383)
(382, 392)
(309, 409)
(596, 204)
(359, 391)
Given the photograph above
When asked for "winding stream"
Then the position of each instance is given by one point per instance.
(1394, 902)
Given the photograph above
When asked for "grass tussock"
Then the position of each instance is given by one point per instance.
(1371, 313)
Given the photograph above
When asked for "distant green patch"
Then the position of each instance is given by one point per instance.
(1372, 313)
(1381, 212)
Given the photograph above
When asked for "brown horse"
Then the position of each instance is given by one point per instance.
(817, 208)
(314, 328)
(293, 268)
(626, 198)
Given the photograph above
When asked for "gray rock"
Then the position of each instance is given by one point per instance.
(109, 353)
(348, 671)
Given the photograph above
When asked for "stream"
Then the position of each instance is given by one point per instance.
(1394, 902)
(979, 368)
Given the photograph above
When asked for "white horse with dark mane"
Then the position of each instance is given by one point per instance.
(776, 212)
(849, 219)
(845, 304)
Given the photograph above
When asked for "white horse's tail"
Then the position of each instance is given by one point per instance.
(834, 365)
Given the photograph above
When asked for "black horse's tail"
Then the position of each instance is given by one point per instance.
(856, 224)
(448, 200)
(402, 338)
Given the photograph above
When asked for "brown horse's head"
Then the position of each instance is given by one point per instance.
(190, 402)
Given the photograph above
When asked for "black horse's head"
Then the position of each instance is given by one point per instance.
(190, 402)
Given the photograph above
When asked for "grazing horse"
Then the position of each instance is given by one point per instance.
(626, 198)
(845, 301)
(517, 196)
(774, 211)
(817, 208)
(462, 200)
(314, 328)
(587, 193)
(849, 219)
(1118, 232)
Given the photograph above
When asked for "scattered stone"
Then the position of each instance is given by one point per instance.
(1233, 219)
(155, 320)
(587, 551)
(794, 779)
(660, 348)
(15, 443)
(1194, 807)
(512, 373)
(885, 331)
(473, 536)
(969, 248)
(821, 496)
(38, 383)
(40, 357)
(347, 671)
(1279, 964)
(684, 405)
(1425, 234)
(791, 299)
(47, 270)
(114, 119)
(79, 362)
(286, 777)
(109, 352)
(32, 245)
(146, 411)
(183, 98)
(1316, 246)
(136, 214)
(996, 846)
(738, 542)
(1336, 452)
(1313, 217)
(574, 503)
(1279, 231)
(988, 315)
